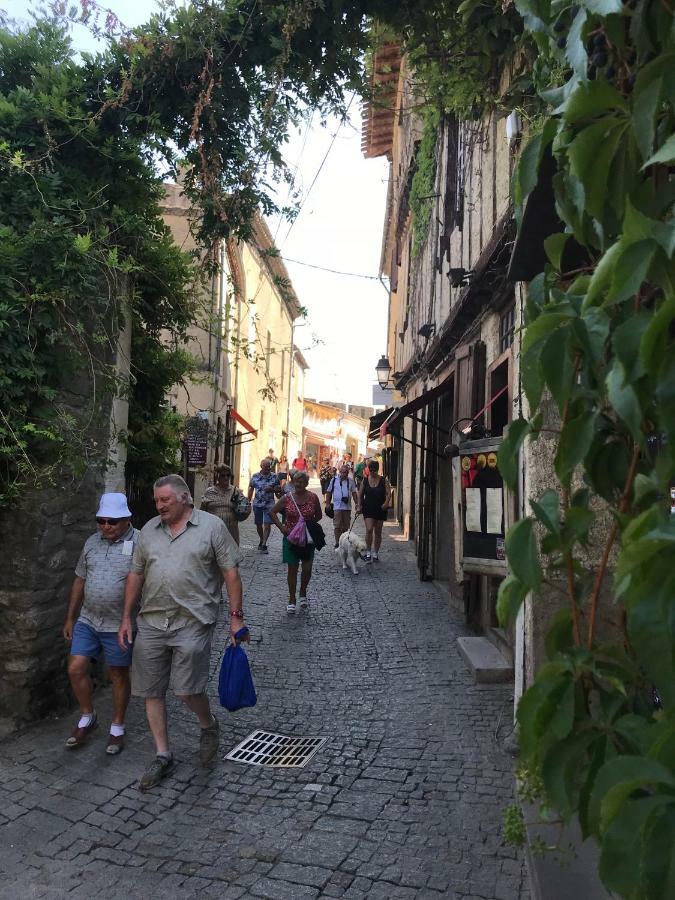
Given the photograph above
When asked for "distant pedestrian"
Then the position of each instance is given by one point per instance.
(358, 470)
(298, 502)
(282, 468)
(339, 492)
(274, 462)
(98, 594)
(266, 485)
(299, 463)
(181, 559)
(226, 501)
(374, 501)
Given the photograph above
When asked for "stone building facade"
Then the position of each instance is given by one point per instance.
(453, 350)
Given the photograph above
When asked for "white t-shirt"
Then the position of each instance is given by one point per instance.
(341, 491)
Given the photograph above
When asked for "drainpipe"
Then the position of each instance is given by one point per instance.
(290, 388)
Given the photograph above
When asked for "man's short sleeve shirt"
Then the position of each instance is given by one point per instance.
(341, 491)
(104, 566)
(264, 499)
(184, 571)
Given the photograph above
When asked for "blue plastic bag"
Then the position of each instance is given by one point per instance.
(235, 682)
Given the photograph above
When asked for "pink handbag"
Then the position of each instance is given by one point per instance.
(298, 534)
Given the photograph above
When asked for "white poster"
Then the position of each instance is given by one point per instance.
(493, 498)
(472, 504)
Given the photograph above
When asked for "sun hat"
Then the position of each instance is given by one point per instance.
(114, 506)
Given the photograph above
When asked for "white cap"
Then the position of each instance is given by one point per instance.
(114, 506)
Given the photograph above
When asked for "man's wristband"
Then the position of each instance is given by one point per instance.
(237, 613)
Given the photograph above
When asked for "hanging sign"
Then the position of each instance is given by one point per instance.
(197, 442)
(483, 506)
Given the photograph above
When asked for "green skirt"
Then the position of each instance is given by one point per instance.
(290, 554)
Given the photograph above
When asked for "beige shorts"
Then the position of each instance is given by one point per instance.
(341, 519)
(180, 656)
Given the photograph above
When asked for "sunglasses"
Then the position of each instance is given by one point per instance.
(108, 521)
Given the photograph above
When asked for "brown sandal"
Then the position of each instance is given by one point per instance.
(79, 735)
(115, 744)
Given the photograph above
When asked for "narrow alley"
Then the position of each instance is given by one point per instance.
(404, 799)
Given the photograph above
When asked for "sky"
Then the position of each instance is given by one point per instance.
(339, 227)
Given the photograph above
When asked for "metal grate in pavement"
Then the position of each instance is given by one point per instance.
(279, 751)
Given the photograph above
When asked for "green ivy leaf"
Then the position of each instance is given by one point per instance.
(644, 117)
(626, 341)
(651, 627)
(545, 713)
(523, 554)
(575, 49)
(602, 275)
(619, 868)
(554, 245)
(616, 781)
(665, 154)
(623, 398)
(510, 598)
(561, 770)
(547, 510)
(630, 271)
(591, 154)
(592, 98)
(603, 7)
(507, 456)
(557, 365)
(575, 441)
(655, 336)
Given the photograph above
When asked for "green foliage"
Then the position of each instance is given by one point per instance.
(600, 341)
(424, 180)
(82, 248)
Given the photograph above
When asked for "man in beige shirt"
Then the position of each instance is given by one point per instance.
(180, 561)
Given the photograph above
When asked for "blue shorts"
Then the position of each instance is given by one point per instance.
(261, 516)
(89, 642)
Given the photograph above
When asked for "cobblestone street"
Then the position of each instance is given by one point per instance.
(404, 800)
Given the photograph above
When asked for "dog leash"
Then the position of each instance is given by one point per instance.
(353, 523)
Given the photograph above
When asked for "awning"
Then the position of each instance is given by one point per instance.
(377, 421)
(419, 402)
(249, 429)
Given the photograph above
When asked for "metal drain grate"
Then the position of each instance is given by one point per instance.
(276, 750)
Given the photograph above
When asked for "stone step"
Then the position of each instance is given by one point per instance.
(485, 661)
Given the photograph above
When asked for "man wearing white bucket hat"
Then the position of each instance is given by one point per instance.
(98, 594)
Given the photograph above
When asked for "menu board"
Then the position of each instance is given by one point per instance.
(197, 442)
(482, 504)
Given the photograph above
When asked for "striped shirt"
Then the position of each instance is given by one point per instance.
(104, 566)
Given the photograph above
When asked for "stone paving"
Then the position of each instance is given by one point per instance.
(404, 800)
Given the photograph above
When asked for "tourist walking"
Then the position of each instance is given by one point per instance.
(274, 462)
(226, 501)
(374, 501)
(266, 485)
(341, 488)
(358, 470)
(298, 502)
(181, 559)
(299, 463)
(98, 594)
(282, 468)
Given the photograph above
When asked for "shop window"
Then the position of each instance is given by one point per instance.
(507, 323)
(499, 384)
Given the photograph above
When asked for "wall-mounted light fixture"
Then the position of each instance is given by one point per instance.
(459, 277)
(383, 371)
(427, 330)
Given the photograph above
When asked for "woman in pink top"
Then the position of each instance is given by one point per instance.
(299, 502)
(299, 463)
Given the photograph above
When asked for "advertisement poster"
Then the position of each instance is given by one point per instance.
(483, 506)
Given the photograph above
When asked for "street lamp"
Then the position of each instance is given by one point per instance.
(383, 370)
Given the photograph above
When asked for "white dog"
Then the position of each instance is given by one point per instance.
(348, 550)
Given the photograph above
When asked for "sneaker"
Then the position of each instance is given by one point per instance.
(159, 768)
(79, 736)
(290, 607)
(375, 557)
(367, 557)
(303, 602)
(208, 742)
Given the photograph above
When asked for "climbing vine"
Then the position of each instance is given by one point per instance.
(598, 724)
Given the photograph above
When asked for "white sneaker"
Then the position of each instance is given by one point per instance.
(376, 558)
(367, 557)
(290, 607)
(303, 602)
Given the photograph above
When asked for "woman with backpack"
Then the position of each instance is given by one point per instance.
(226, 501)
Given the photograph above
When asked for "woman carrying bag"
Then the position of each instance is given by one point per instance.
(226, 501)
(299, 504)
